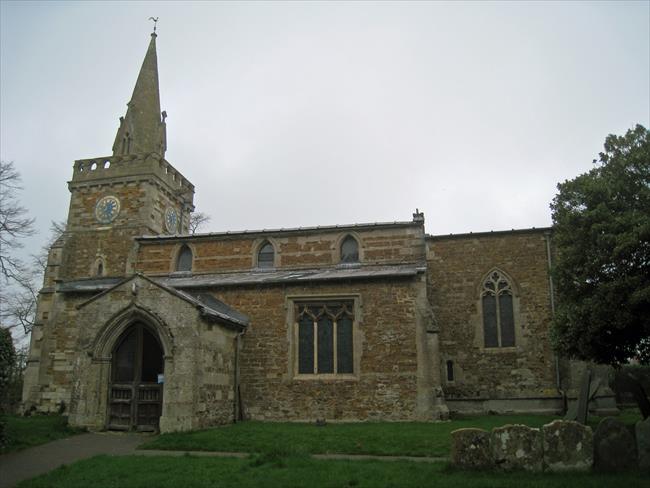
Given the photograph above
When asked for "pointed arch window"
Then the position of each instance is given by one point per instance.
(266, 255)
(99, 267)
(498, 311)
(185, 257)
(324, 333)
(349, 250)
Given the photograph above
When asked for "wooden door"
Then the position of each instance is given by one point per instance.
(135, 396)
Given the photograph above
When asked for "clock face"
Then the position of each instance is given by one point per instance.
(171, 220)
(106, 209)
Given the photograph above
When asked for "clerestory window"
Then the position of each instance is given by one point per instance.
(266, 256)
(325, 332)
(498, 312)
(349, 250)
(184, 261)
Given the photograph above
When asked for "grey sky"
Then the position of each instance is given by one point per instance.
(290, 114)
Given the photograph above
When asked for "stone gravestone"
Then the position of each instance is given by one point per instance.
(568, 446)
(642, 432)
(470, 449)
(614, 446)
(583, 398)
(517, 447)
(580, 409)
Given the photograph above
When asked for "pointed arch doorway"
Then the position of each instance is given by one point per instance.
(135, 395)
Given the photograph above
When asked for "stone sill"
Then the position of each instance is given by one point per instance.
(326, 377)
(499, 350)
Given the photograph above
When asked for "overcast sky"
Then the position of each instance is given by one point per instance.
(290, 114)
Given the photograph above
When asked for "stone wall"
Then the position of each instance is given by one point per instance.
(215, 253)
(498, 379)
(49, 375)
(199, 357)
(384, 385)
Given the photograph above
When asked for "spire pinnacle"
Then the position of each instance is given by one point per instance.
(142, 129)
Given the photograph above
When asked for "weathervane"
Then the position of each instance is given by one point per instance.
(154, 23)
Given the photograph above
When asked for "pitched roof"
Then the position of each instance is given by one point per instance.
(208, 306)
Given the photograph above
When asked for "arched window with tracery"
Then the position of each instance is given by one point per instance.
(498, 311)
(266, 255)
(325, 337)
(184, 260)
(349, 250)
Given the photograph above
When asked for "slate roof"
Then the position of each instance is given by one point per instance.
(208, 306)
(181, 281)
(213, 307)
(338, 273)
(93, 284)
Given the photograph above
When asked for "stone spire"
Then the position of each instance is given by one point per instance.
(143, 129)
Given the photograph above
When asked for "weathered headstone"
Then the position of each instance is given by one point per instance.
(642, 433)
(568, 446)
(470, 449)
(516, 447)
(583, 398)
(614, 446)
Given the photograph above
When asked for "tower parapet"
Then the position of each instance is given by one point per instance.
(95, 170)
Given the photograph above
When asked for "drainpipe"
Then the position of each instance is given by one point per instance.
(551, 287)
(236, 403)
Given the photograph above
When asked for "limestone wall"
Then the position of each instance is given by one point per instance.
(199, 357)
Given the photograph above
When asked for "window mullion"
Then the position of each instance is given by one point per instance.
(498, 309)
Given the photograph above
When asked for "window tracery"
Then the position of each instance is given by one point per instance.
(325, 337)
(498, 311)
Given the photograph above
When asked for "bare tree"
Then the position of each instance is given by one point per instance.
(39, 261)
(14, 225)
(198, 220)
(18, 308)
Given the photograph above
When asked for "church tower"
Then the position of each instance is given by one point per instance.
(113, 199)
(133, 192)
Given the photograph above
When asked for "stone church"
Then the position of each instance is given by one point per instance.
(141, 325)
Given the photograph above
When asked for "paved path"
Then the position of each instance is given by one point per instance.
(22, 465)
(18, 466)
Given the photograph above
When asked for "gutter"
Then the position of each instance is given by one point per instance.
(551, 288)
(237, 404)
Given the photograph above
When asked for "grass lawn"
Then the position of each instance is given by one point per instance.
(270, 471)
(380, 438)
(23, 432)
